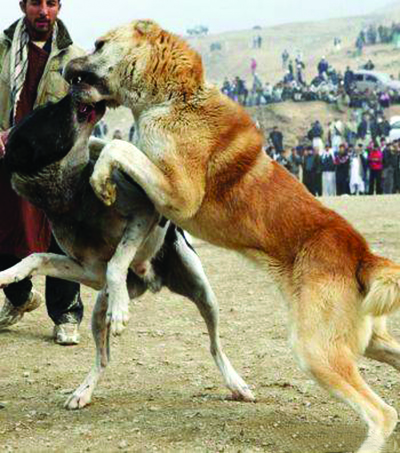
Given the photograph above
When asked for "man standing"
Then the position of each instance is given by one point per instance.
(295, 163)
(342, 162)
(323, 66)
(375, 159)
(348, 80)
(389, 167)
(309, 168)
(315, 135)
(285, 58)
(328, 172)
(33, 52)
(276, 138)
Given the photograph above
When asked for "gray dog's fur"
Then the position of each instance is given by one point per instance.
(48, 157)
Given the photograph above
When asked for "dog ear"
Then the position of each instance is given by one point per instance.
(146, 27)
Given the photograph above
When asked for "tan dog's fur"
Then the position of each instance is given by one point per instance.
(199, 158)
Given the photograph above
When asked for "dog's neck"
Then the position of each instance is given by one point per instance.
(63, 184)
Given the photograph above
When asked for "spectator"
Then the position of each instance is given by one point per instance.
(315, 135)
(357, 186)
(383, 127)
(384, 100)
(337, 133)
(390, 162)
(369, 66)
(396, 150)
(342, 161)
(253, 65)
(348, 80)
(284, 160)
(285, 59)
(375, 160)
(309, 169)
(328, 172)
(323, 66)
(295, 163)
(359, 45)
(317, 173)
(276, 138)
(291, 69)
(33, 52)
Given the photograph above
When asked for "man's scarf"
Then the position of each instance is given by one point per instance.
(19, 61)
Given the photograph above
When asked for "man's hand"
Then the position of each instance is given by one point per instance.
(3, 142)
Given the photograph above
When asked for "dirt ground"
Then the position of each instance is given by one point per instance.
(162, 391)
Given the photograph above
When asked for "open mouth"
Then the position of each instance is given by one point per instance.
(90, 113)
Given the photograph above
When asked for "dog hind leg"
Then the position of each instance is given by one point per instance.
(101, 334)
(382, 346)
(187, 278)
(325, 345)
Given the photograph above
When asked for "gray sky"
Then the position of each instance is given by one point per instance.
(87, 19)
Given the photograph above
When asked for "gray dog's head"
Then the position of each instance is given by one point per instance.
(50, 133)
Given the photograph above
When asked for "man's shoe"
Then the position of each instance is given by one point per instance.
(66, 334)
(10, 315)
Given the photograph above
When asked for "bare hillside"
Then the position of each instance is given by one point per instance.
(313, 39)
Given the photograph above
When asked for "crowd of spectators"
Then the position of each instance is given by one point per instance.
(377, 34)
(354, 157)
(328, 85)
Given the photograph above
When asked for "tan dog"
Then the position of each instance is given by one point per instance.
(200, 160)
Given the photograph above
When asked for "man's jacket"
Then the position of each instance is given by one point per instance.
(52, 86)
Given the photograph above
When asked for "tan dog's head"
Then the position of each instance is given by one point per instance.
(136, 64)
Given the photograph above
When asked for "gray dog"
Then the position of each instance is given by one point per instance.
(121, 250)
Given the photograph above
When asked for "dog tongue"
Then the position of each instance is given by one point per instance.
(92, 116)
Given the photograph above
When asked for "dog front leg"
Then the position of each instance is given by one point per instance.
(52, 265)
(177, 201)
(130, 245)
(101, 334)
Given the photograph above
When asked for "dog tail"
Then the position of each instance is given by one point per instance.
(381, 278)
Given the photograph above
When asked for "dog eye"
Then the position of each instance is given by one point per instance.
(98, 45)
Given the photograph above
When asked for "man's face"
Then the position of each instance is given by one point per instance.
(40, 16)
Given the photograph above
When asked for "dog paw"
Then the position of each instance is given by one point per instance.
(117, 320)
(243, 394)
(104, 188)
(79, 399)
(6, 278)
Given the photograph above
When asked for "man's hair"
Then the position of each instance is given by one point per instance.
(24, 1)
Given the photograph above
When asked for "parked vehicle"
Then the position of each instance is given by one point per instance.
(373, 80)
(394, 133)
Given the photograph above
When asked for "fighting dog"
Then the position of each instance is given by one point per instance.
(199, 158)
(48, 157)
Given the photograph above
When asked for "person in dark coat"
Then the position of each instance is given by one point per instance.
(309, 169)
(323, 66)
(348, 80)
(384, 127)
(390, 162)
(276, 138)
(342, 162)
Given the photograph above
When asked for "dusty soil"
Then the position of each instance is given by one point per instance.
(162, 391)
